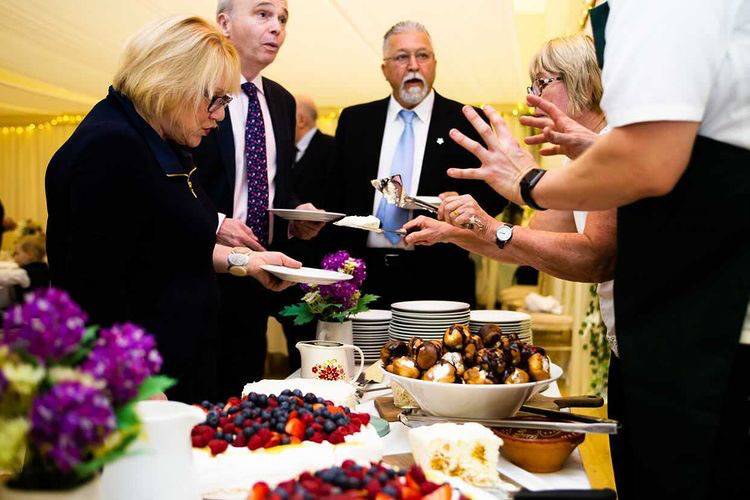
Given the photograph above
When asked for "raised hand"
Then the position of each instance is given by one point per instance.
(567, 136)
(463, 211)
(504, 161)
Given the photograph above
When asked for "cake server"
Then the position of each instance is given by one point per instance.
(412, 418)
(564, 415)
(552, 403)
(392, 189)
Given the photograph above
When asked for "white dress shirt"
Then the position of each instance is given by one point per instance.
(238, 113)
(304, 142)
(394, 127)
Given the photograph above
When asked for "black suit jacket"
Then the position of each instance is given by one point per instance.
(310, 173)
(216, 166)
(359, 136)
(131, 241)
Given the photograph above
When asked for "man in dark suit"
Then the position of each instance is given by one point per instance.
(315, 154)
(245, 166)
(405, 133)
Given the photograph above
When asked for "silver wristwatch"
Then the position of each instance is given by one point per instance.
(237, 261)
(503, 235)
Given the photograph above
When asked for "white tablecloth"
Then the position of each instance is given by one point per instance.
(572, 475)
(10, 275)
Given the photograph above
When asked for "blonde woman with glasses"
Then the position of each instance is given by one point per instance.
(566, 244)
(131, 233)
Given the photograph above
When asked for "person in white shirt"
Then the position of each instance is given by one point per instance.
(676, 166)
(406, 133)
(570, 245)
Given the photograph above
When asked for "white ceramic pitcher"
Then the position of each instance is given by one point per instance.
(327, 360)
(160, 463)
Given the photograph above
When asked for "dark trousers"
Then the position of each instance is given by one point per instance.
(731, 457)
(243, 319)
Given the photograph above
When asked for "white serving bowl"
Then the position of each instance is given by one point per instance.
(471, 401)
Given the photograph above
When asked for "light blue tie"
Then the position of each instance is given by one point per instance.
(393, 217)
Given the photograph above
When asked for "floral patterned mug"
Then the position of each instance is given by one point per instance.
(327, 360)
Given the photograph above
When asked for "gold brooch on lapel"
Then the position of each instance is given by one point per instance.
(440, 141)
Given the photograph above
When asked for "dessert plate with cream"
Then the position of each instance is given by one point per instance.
(367, 223)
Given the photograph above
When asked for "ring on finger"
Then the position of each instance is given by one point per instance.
(476, 222)
(455, 214)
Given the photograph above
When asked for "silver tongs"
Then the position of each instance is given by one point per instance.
(392, 189)
(414, 418)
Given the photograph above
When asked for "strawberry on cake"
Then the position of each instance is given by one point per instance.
(351, 480)
(265, 437)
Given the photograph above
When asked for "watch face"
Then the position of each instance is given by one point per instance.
(238, 259)
(503, 233)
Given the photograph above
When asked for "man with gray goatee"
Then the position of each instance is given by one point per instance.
(405, 133)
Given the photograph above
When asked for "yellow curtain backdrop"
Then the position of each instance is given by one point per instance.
(24, 154)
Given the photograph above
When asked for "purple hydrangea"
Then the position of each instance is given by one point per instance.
(48, 326)
(68, 421)
(343, 292)
(342, 262)
(123, 356)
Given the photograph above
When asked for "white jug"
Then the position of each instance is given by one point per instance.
(159, 465)
(328, 360)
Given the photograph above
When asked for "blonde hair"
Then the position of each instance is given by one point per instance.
(34, 245)
(574, 59)
(172, 67)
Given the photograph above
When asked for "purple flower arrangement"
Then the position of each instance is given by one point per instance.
(68, 392)
(49, 326)
(123, 356)
(337, 301)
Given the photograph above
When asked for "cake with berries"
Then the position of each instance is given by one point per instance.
(339, 392)
(467, 451)
(268, 437)
(352, 480)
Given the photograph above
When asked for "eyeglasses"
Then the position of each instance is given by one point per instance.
(218, 102)
(404, 58)
(538, 85)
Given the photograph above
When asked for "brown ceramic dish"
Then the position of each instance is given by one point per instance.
(537, 450)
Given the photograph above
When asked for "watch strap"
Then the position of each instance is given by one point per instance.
(236, 270)
(501, 243)
(529, 181)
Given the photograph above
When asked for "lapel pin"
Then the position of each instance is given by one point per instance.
(440, 140)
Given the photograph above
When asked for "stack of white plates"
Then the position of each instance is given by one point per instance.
(427, 319)
(510, 322)
(370, 332)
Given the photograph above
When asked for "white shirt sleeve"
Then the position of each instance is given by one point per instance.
(661, 59)
(221, 221)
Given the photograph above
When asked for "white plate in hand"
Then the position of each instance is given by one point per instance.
(307, 275)
(306, 215)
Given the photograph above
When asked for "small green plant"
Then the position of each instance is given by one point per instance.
(593, 329)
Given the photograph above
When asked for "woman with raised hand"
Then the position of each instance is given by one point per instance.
(570, 245)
